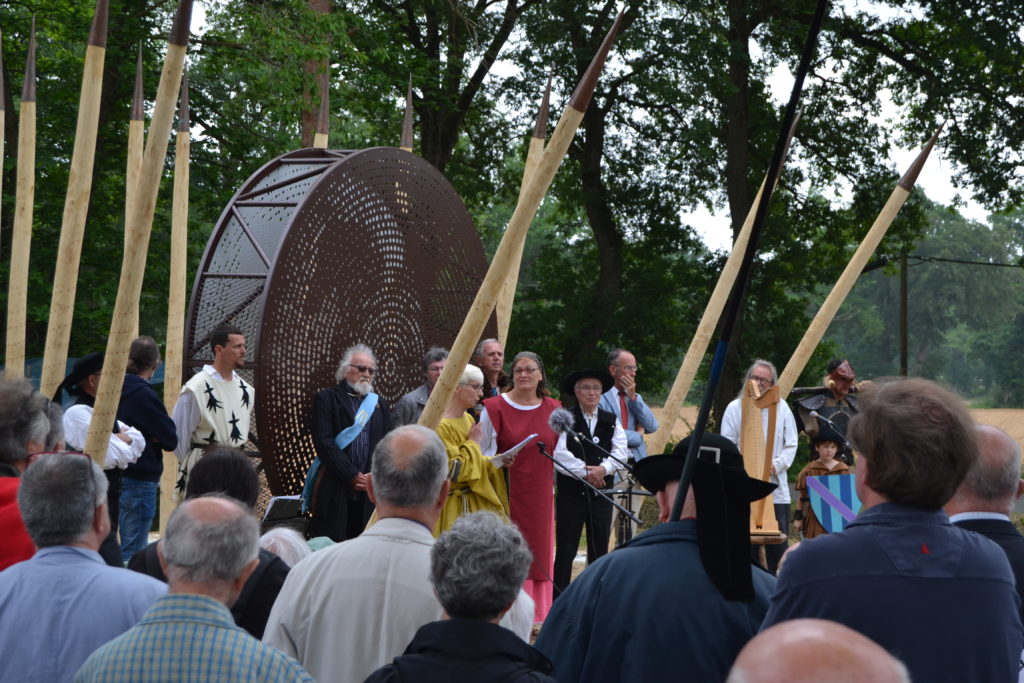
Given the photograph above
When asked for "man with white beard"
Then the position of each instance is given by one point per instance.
(348, 420)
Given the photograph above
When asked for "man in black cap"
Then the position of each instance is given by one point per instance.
(685, 594)
(594, 452)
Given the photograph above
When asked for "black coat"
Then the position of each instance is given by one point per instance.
(466, 650)
(141, 408)
(1006, 536)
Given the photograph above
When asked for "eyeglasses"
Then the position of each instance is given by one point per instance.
(589, 388)
(629, 368)
(525, 371)
(762, 380)
(365, 369)
(474, 387)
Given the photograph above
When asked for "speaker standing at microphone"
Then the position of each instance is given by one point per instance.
(585, 432)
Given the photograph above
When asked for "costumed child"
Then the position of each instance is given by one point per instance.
(827, 444)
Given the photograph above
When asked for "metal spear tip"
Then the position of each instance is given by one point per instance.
(98, 32)
(580, 99)
(910, 177)
(541, 129)
(182, 23)
(183, 115)
(407, 121)
(28, 89)
(323, 119)
(136, 113)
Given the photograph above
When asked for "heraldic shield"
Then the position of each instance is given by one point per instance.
(834, 500)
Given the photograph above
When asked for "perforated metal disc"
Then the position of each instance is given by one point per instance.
(321, 249)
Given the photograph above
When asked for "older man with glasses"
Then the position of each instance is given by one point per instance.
(348, 421)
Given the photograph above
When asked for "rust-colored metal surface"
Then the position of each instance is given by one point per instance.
(321, 249)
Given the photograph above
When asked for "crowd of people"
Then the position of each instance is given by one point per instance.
(476, 526)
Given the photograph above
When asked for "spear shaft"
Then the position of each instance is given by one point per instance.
(816, 330)
(21, 238)
(133, 164)
(139, 225)
(76, 206)
(515, 233)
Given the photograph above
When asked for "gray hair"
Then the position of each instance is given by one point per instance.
(478, 566)
(286, 543)
(434, 355)
(479, 350)
(346, 358)
(758, 363)
(58, 498)
(22, 419)
(209, 551)
(55, 434)
(409, 480)
(613, 355)
(994, 476)
(471, 374)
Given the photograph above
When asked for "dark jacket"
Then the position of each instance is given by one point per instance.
(252, 609)
(141, 408)
(465, 650)
(1006, 536)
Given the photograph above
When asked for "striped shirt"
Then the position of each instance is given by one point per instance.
(188, 638)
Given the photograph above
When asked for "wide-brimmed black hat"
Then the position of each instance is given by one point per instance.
(723, 492)
(569, 383)
(87, 365)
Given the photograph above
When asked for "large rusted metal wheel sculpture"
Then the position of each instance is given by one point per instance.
(321, 249)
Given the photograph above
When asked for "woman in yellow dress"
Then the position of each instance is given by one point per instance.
(477, 484)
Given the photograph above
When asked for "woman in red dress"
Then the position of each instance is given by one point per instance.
(508, 419)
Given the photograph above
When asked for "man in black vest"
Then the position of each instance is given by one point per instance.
(576, 505)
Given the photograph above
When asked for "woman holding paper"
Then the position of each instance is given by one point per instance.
(506, 421)
(477, 481)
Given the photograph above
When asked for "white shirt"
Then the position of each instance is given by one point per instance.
(119, 454)
(186, 416)
(784, 449)
(619, 450)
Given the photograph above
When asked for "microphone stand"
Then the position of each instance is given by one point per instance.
(544, 451)
(581, 437)
(818, 416)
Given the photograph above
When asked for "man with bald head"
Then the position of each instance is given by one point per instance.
(208, 552)
(346, 611)
(983, 502)
(814, 650)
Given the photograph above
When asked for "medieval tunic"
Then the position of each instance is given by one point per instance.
(479, 485)
(531, 486)
(812, 527)
(224, 407)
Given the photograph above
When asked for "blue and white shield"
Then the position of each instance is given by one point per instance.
(834, 500)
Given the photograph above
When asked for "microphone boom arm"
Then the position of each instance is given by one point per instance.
(544, 451)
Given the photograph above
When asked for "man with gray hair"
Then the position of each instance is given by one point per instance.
(349, 609)
(65, 602)
(208, 552)
(489, 356)
(983, 502)
(408, 409)
(476, 569)
(348, 421)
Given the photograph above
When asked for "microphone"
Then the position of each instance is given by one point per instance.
(561, 422)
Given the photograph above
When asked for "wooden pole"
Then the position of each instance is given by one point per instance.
(139, 225)
(3, 114)
(708, 322)
(842, 288)
(407, 138)
(903, 313)
(136, 140)
(174, 351)
(21, 238)
(323, 121)
(515, 233)
(503, 309)
(76, 206)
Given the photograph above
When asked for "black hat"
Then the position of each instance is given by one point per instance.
(86, 366)
(569, 383)
(723, 491)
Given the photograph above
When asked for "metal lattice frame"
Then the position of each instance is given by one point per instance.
(321, 249)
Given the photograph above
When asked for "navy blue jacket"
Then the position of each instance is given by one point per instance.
(940, 599)
(645, 610)
(1006, 536)
(141, 408)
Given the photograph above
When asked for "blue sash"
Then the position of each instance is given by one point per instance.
(343, 439)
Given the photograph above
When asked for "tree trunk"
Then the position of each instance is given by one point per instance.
(314, 69)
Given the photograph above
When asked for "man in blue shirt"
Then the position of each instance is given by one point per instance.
(65, 602)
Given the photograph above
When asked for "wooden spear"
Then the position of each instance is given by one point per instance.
(174, 351)
(76, 206)
(136, 140)
(323, 120)
(702, 337)
(842, 288)
(406, 143)
(21, 238)
(515, 233)
(503, 310)
(139, 224)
